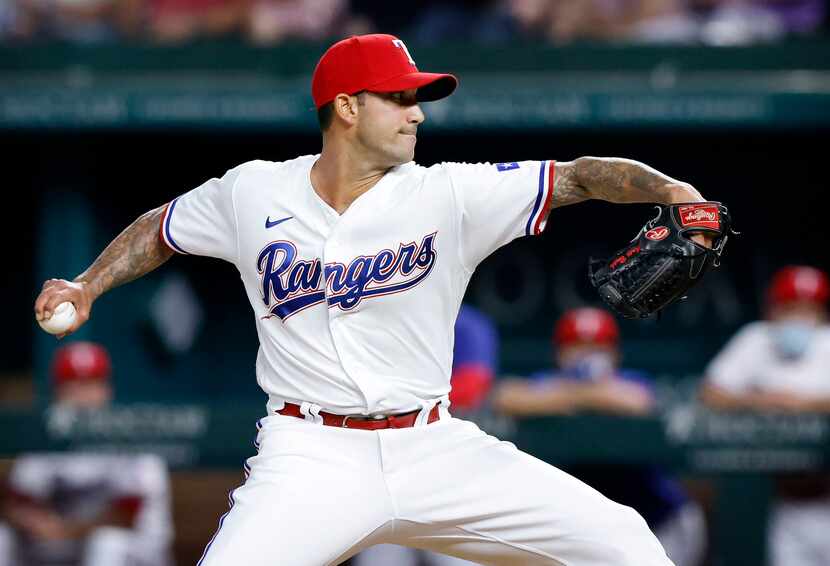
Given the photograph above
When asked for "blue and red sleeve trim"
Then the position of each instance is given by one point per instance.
(164, 228)
(544, 198)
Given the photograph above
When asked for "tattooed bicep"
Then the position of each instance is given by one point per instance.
(566, 187)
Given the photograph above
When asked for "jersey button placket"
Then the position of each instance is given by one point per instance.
(336, 252)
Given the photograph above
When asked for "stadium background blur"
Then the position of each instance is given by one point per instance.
(111, 107)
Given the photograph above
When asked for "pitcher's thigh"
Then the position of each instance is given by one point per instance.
(571, 521)
(505, 505)
(292, 522)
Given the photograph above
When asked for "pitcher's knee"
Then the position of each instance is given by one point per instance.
(629, 541)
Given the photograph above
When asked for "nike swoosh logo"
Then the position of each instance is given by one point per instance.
(269, 224)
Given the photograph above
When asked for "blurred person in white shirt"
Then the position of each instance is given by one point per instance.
(782, 364)
(86, 509)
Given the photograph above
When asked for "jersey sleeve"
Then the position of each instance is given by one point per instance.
(203, 221)
(498, 203)
(733, 368)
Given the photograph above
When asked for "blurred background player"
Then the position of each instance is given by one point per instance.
(588, 377)
(782, 364)
(474, 365)
(86, 509)
(474, 359)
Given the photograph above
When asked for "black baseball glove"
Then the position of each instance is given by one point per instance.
(662, 262)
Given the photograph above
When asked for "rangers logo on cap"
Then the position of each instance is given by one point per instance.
(378, 63)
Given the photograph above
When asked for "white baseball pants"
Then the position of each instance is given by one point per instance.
(316, 495)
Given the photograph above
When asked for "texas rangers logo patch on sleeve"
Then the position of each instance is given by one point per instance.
(289, 285)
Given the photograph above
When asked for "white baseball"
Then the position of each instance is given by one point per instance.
(62, 319)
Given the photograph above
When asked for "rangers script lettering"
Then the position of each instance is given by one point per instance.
(296, 285)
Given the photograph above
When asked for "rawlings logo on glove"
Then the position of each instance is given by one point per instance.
(658, 233)
(700, 216)
(662, 262)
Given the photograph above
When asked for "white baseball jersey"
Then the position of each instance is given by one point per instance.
(750, 361)
(355, 312)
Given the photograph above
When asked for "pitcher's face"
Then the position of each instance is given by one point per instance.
(388, 125)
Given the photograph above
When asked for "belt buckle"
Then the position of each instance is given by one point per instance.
(375, 417)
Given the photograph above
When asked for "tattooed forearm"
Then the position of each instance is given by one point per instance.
(566, 187)
(136, 251)
(617, 180)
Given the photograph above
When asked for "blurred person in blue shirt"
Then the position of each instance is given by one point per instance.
(474, 359)
(474, 364)
(588, 378)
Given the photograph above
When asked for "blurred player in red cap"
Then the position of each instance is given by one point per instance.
(589, 378)
(81, 374)
(782, 364)
(84, 508)
(586, 342)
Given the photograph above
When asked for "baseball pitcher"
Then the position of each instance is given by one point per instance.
(355, 262)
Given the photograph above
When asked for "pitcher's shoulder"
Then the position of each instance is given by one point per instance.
(304, 162)
(441, 170)
(465, 169)
(273, 175)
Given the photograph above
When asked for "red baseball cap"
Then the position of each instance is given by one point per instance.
(378, 63)
(799, 283)
(81, 361)
(586, 324)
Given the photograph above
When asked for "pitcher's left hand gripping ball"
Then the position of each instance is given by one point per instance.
(662, 262)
